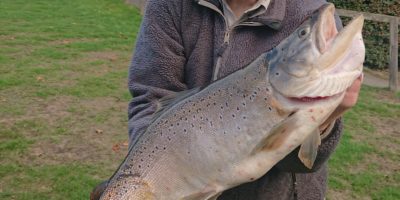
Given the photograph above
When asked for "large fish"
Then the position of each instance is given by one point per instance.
(234, 130)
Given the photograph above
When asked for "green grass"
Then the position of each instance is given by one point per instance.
(63, 98)
(73, 181)
(354, 166)
(63, 70)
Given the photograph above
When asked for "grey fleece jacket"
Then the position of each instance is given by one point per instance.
(178, 47)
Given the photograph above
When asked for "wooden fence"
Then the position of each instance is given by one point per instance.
(394, 43)
(394, 23)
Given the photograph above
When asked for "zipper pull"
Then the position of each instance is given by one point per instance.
(226, 36)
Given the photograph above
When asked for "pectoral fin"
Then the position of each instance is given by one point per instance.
(278, 135)
(308, 150)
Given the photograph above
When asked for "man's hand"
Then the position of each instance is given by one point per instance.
(349, 100)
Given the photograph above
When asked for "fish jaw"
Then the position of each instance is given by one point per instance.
(325, 62)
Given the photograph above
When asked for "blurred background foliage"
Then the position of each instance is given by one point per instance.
(376, 34)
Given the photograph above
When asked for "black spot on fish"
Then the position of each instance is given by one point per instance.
(269, 108)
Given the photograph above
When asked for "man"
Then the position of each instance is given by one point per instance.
(184, 44)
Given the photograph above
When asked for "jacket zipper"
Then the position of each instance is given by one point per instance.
(294, 186)
(227, 34)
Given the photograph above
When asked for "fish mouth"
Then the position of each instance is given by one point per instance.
(335, 45)
(295, 102)
(306, 99)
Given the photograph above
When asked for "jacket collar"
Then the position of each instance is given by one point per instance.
(272, 17)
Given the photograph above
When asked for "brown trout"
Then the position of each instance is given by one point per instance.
(234, 130)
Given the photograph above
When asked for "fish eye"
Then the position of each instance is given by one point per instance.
(303, 32)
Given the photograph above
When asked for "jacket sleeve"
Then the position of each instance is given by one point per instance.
(157, 66)
(291, 163)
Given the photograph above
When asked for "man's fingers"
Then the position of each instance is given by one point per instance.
(351, 96)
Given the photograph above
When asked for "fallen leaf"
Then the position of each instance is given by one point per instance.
(66, 41)
(125, 144)
(99, 131)
(40, 78)
(116, 147)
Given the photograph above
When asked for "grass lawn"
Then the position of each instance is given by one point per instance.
(63, 100)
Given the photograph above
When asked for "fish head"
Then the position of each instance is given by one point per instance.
(317, 61)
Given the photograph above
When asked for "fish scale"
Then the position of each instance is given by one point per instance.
(237, 128)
